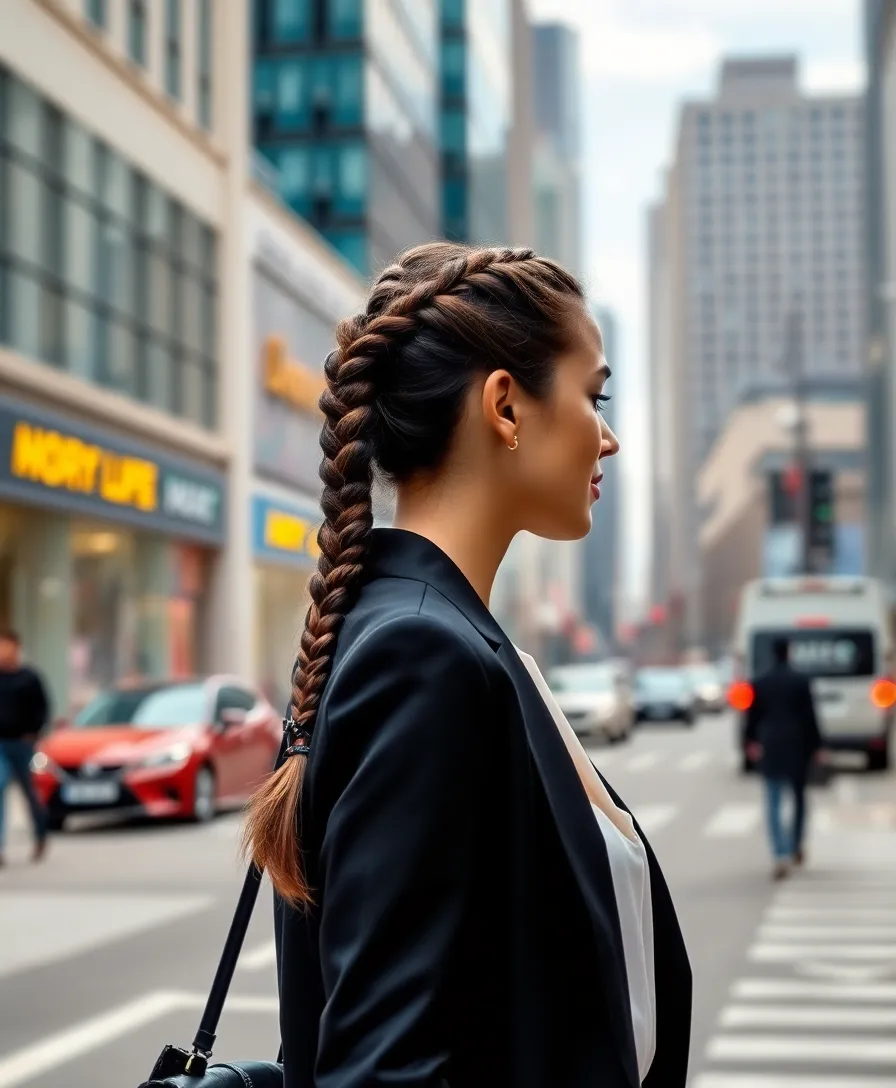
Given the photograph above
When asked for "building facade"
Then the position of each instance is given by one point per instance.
(345, 105)
(476, 104)
(760, 228)
(880, 233)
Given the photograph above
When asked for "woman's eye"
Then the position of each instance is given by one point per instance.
(599, 400)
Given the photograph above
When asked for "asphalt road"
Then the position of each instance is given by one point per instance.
(106, 948)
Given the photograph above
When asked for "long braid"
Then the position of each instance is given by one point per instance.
(399, 305)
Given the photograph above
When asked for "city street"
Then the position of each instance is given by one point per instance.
(107, 948)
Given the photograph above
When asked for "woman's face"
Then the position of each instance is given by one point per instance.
(562, 441)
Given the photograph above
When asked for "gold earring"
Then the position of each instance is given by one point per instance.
(516, 442)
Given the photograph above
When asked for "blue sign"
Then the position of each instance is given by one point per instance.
(283, 533)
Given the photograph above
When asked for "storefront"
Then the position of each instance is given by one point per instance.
(105, 551)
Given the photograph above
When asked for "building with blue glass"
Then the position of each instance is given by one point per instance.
(476, 118)
(345, 107)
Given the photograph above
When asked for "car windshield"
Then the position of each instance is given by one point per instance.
(704, 674)
(660, 682)
(581, 680)
(145, 708)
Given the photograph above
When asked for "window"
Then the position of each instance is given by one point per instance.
(344, 19)
(96, 13)
(172, 47)
(204, 64)
(453, 68)
(137, 31)
(292, 20)
(96, 262)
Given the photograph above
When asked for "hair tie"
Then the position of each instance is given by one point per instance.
(300, 739)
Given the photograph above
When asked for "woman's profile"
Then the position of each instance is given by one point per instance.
(463, 902)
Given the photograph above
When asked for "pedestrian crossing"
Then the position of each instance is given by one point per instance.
(818, 1007)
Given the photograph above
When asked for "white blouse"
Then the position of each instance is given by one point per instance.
(631, 884)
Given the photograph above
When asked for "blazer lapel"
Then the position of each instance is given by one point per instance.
(585, 848)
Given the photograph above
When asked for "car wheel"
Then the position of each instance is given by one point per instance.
(879, 758)
(204, 804)
(747, 766)
(55, 821)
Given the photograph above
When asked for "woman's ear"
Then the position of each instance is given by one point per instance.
(499, 408)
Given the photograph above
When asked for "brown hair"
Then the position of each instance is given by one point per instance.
(436, 319)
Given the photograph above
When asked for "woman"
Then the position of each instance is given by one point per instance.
(463, 902)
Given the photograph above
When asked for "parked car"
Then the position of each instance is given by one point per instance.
(709, 690)
(181, 748)
(595, 699)
(664, 694)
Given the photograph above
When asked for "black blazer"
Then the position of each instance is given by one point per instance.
(464, 932)
(782, 719)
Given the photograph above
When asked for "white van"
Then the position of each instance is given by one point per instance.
(840, 634)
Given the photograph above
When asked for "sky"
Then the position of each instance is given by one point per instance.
(640, 59)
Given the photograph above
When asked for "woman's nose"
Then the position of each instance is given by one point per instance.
(609, 446)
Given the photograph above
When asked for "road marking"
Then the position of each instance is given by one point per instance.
(651, 818)
(858, 915)
(856, 1051)
(767, 952)
(803, 1016)
(258, 958)
(774, 932)
(67, 1045)
(696, 761)
(71, 1043)
(733, 820)
(643, 762)
(777, 1080)
(52, 926)
(764, 989)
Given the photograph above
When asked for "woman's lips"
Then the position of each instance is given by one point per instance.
(595, 487)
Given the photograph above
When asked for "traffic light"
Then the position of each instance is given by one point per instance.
(821, 522)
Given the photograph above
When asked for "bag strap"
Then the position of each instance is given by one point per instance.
(204, 1040)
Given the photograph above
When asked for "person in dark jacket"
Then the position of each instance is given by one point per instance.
(24, 710)
(461, 899)
(783, 739)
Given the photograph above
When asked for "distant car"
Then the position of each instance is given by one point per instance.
(710, 693)
(181, 748)
(594, 698)
(664, 694)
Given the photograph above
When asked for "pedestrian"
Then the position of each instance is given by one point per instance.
(461, 898)
(782, 740)
(24, 710)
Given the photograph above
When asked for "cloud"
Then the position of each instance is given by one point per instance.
(820, 76)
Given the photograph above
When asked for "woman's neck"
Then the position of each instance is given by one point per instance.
(462, 522)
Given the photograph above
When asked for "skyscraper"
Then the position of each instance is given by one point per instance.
(345, 106)
(558, 144)
(476, 118)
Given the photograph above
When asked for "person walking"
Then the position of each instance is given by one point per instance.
(24, 710)
(783, 738)
(461, 897)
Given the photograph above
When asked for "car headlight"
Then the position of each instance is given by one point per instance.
(42, 764)
(177, 753)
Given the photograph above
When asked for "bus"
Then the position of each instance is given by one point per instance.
(840, 634)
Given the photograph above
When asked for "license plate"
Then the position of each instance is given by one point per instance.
(661, 711)
(90, 793)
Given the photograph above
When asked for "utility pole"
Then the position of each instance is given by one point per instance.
(793, 363)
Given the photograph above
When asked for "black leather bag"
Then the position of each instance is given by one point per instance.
(180, 1068)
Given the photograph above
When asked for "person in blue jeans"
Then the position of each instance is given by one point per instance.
(783, 738)
(24, 710)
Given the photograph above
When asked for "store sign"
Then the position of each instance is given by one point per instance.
(48, 461)
(288, 379)
(284, 533)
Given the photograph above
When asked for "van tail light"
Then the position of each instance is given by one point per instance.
(883, 694)
(741, 695)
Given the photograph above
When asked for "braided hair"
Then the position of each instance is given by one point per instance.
(435, 320)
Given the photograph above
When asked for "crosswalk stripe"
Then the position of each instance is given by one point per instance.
(696, 761)
(256, 959)
(766, 989)
(763, 952)
(857, 915)
(644, 761)
(784, 1080)
(733, 820)
(826, 1050)
(652, 818)
(807, 1016)
(775, 932)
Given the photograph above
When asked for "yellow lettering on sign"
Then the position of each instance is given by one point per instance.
(53, 459)
(62, 461)
(289, 380)
(286, 532)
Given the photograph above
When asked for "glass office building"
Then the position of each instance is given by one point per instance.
(476, 118)
(344, 107)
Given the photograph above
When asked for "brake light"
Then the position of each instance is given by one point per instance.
(741, 695)
(883, 694)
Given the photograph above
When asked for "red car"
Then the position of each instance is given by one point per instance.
(183, 748)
